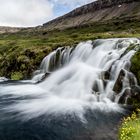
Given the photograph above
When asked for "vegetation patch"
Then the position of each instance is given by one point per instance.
(16, 76)
(135, 65)
(130, 127)
(23, 51)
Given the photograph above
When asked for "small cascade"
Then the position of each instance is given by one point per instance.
(75, 94)
(93, 75)
(104, 60)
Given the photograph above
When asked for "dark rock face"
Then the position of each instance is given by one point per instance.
(97, 5)
(105, 75)
(134, 97)
(131, 96)
(91, 8)
(125, 96)
(118, 85)
(136, 91)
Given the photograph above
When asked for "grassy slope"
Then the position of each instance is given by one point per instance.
(130, 127)
(22, 52)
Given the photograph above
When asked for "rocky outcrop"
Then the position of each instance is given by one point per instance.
(100, 10)
(119, 82)
(131, 96)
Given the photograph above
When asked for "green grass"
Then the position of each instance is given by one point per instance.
(32, 45)
(130, 128)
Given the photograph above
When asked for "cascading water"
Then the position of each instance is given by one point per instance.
(75, 81)
(79, 72)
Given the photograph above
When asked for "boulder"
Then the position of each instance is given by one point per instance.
(105, 75)
(125, 96)
(131, 97)
(119, 82)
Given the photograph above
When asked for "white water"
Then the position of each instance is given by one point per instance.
(76, 82)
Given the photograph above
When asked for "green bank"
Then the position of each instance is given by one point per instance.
(22, 52)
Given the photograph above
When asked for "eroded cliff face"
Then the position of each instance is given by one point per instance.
(98, 11)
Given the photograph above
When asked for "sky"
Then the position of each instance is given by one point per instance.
(27, 13)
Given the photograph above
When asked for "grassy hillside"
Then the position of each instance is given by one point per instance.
(22, 52)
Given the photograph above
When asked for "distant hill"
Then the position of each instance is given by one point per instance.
(98, 11)
(4, 29)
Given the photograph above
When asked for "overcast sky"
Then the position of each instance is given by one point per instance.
(34, 12)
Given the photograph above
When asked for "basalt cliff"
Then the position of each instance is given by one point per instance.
(98, 11)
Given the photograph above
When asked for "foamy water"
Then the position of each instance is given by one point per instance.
(76, 82)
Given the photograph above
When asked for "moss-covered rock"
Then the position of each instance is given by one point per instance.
(16, 76)
(135, 65)
(135, 68)
(21, 63)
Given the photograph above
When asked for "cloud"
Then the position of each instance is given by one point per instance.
(72, 3)
(25, 12)
(34, 12)
(63, 6)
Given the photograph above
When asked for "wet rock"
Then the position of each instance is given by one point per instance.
(125, 96)
(131, 97)
(127, 65)
(3, 79)
(95, 87)
(39, 76)
(119, 82)
(135, 100)
(111, 96)
(105, 82)
(132, 79)
(105, 75)
(136, 92)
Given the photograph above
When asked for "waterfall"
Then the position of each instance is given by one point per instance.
(75, 79)
(74, 95)
(85, 67)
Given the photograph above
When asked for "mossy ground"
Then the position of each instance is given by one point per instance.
(22, 52)
(135, 65)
